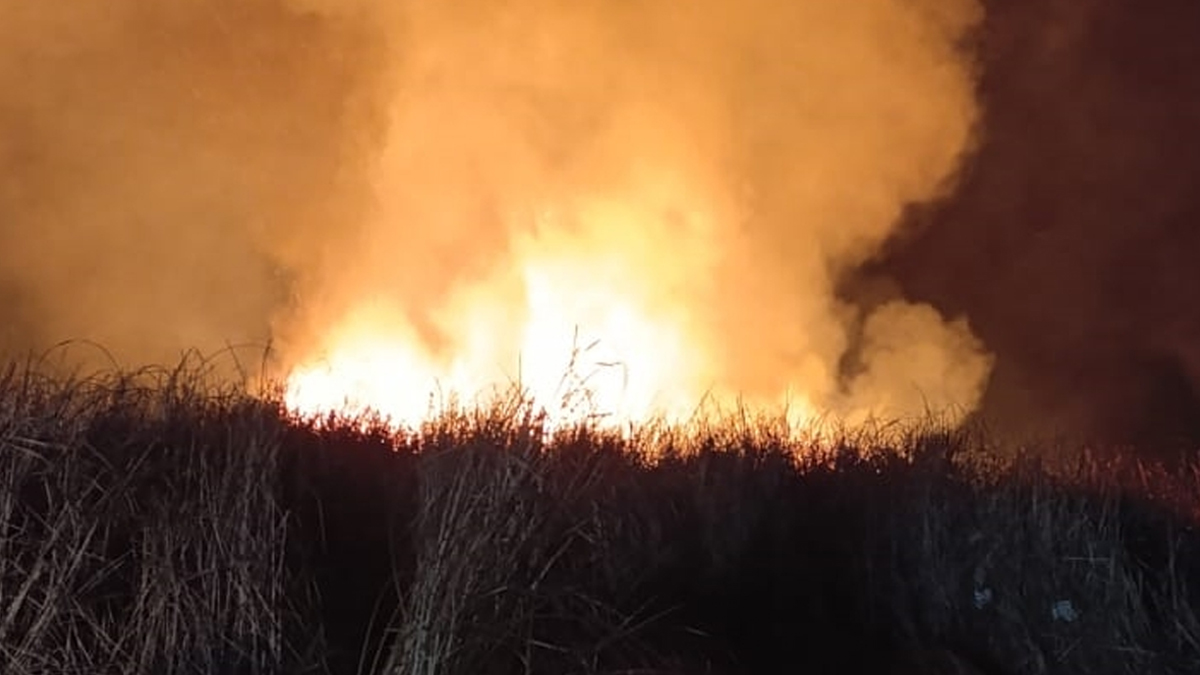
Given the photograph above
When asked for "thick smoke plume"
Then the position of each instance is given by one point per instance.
(237, 170)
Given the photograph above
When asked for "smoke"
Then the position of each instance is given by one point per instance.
(160, 163)
(1071, 242)
(242, 170)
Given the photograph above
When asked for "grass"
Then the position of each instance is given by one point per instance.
(155, 523)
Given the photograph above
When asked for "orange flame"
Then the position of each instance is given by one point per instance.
(585, 338)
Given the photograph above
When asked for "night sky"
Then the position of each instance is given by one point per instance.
(1073, 238)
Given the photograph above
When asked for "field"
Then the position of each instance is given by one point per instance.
(151, 523)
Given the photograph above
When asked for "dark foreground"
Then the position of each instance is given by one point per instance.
(165, 528)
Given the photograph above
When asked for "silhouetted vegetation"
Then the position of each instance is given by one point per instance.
(153, 524)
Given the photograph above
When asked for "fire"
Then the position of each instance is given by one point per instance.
(633, 213)
(583, 327)
(582, 353)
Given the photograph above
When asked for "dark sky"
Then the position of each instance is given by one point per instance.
(1073, 240)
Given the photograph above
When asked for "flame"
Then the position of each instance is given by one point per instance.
(591, 333)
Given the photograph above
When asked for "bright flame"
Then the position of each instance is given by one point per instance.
(585, 338)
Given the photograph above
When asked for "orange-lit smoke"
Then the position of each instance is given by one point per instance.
(166, 169)
(682, 184)
(440, 194)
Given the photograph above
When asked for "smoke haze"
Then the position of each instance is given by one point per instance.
(167, 168)
(217, 172)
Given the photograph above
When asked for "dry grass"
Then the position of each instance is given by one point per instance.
(153, 523)
(139, 527)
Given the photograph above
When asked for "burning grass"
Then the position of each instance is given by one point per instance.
(152, 523)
